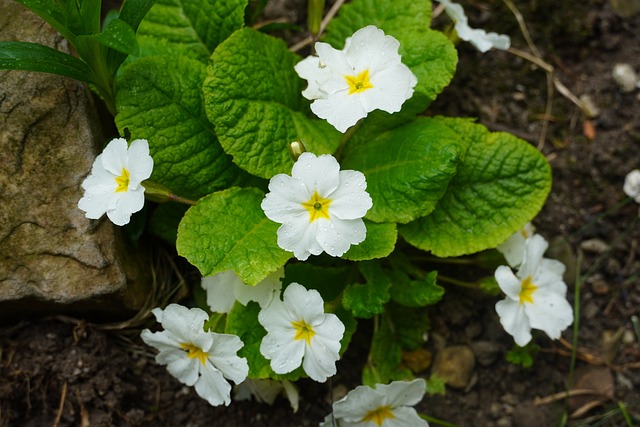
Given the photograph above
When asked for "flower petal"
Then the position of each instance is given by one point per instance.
(370, 49)
(534, 250)
(263, 292)
(129, 203)
(303, 303)
(514, 321)
(114, 156)
(220, 291)
(285, 198)
(184, 369)
(298, 235)
(341, 110)
(403, 393)
(336, 236)
(140, 162)
(550, 312)
(223, 355)
(212, 386)
(282, 350)
(508, 282)
(350, 200)
(310, 70)
(319, 174)
(405, 416)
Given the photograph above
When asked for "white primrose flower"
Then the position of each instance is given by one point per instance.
(513, 247)
(197, 358)
(383, 406)
(535, 295)
(479, 38)
(114, 185)
(299, 332)
(345, 85)
(319, 206)
(632, 185)
(224, 289)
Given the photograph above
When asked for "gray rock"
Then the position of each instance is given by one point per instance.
(54, 260)
(486, 352)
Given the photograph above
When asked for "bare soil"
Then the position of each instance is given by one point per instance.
(67, 372)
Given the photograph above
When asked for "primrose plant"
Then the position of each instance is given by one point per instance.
(315, 188)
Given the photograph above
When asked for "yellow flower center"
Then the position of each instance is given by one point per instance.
(122, 181)
(317, 206)
(378, 415)
(195, 352)
(359, 83)
(304, 331)
(526, 291)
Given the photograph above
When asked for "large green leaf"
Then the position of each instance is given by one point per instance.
(253, 97)
(380, 241)
(501, 185)
(227, 230)
(190, 27)
(407, 168)
(36, 57)
(159, 99)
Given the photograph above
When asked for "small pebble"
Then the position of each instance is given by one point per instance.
(596, 246)
(600, 287)
(589, 107)
(455, 364)
(486, 352)
(625, 77)
(591, 310)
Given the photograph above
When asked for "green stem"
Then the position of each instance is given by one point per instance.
(457, 282)
(176, 198)
(576, 322)
(345, 138)
(437, 421)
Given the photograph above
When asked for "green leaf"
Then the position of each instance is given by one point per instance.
(523, 356)
(501, 185)
(397, 16)
(428, 53)
(159, 99)
(227, 230)
(243, 322)
(368, 299)
(134, 11)
(36, 57)
(329, 281)
(117, 35)
(190, 27)
(380, 242)
(415, 293)
(407, 168)
(52, 12)
(253, 97)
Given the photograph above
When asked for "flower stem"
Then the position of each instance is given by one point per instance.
(457, 282)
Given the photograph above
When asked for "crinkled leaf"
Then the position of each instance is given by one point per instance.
(368, 299)
(380, 241)
(407, 168)
(253, 97)
(501, 185)
(190, 27)
(227, 230)
(415, 293)
(397, 16)
(159, 99)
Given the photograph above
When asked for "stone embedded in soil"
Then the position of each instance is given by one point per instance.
(486, 352)
(54, 259)
(455, 364)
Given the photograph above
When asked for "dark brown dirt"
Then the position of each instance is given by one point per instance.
(64, 372)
